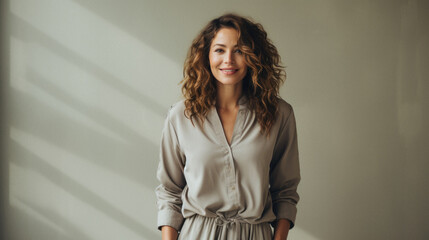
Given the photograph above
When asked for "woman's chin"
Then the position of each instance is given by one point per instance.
(228, 82)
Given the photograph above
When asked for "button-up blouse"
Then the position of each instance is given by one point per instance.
(253, 179)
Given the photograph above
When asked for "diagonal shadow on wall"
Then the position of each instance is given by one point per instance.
(24, 30)
(24, 158)
(24, 224)
(83, 141)
(143, 152)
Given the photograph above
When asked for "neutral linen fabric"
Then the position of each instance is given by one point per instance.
(254, 180)
(199, 227)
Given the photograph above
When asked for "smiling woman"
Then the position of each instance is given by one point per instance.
(229, 157)
(227, 62)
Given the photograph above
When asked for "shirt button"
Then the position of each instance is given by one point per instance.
(233, 188)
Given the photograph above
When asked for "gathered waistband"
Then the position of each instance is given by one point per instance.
(229, 222)
(221, 220)
(221, 227)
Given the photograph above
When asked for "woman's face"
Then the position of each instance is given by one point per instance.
(226, 60)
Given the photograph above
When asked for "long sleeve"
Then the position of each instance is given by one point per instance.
(285, 170)
(170, 175)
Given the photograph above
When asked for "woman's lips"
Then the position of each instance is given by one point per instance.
(228, 71)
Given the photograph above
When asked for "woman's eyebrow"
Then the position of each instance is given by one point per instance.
(222, 45)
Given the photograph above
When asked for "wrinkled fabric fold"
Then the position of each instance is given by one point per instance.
(221, 228)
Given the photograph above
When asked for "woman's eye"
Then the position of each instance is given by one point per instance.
(239, 51)
(218, 50)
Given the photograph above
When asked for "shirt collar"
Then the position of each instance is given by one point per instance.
(242, 101)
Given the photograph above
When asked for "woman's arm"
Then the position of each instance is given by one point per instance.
(281, 229)
(170, 175)
(284, 168)
(168, 233)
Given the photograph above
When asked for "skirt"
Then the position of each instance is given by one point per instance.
(198, 227)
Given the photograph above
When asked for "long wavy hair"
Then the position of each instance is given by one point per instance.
(261, 83)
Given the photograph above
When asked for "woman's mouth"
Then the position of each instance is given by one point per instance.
(228, 71)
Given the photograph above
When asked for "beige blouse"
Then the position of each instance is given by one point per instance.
(253, 180)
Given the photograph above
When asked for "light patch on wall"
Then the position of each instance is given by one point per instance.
(111, 202)
(19, 177)
(107, 69)
(25, 80)
(102, 43)
(43, 74)
(298, 233)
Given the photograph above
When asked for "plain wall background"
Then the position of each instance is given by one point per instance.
(87, 85)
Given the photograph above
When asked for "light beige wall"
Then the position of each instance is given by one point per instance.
(90, 83)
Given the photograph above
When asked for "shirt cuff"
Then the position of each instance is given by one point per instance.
(287, 211)
(170, 218)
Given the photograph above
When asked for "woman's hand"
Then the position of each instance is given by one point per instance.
(281, 229)
(168, 233)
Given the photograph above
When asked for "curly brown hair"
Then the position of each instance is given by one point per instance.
(261, 83)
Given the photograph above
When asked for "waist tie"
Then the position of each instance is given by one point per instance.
(229, 222)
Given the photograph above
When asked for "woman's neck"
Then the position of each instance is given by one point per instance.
(228, 95)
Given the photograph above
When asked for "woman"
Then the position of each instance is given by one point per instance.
(229, 157)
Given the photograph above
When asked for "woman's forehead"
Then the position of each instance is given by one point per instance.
(225, 37)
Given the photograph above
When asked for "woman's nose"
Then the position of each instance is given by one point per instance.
(229, 58)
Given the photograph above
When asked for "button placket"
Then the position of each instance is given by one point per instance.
(229, 166)
(230, 170)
